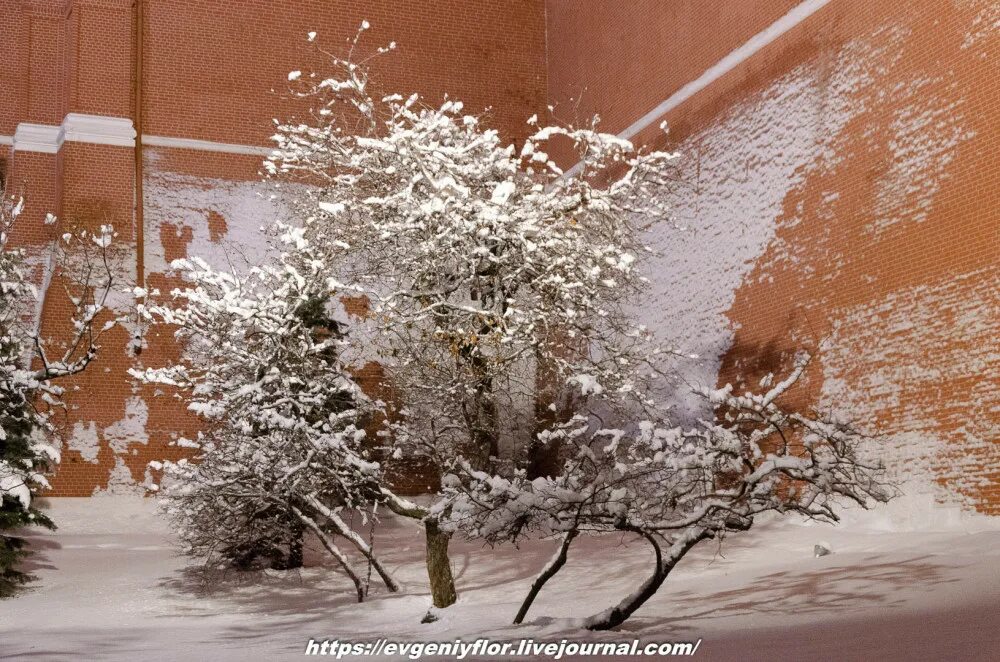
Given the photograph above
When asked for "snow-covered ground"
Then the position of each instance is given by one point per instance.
(112, 587)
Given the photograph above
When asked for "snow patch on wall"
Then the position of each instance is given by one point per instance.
(224, 223)
(131, 429)
(894, 364)
(120, 481)
(84, 440)
(735, 177)
(222, 220)
(984, 25)
(923, 143)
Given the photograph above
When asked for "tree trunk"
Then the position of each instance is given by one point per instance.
(439, 566)
(295, 547)
(442, 583)
(334, 551)
(615, 616)
(553, 566)
(352, 536)
(481, 416)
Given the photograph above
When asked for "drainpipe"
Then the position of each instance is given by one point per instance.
(140, 224)
(140, 243)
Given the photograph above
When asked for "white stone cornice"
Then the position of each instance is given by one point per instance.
(99, 130)
(105, 130)
(751, 47)
(43, 138)
(205, 145)
(76, 127)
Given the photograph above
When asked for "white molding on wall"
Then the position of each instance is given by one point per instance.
(75, 127)
(734, 58)
(99, 130)
(105, 130)
(755, 44)
(102, 130)
(44, 138)
(205, 145)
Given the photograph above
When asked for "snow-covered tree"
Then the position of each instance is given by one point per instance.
(492, 277)
(282, 451)
(670, 486)
(29, 372)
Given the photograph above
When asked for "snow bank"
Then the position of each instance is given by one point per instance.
(113, 588)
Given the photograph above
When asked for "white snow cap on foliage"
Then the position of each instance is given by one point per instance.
(588, 384)
(502, 192)
(332, 207)
(14, 484)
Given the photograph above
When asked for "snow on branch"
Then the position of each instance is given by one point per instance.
(31, 367)
(28, 393)
(673, 486)
(483, 264)
(283, 450)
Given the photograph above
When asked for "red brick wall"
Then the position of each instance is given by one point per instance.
(224, 77)
(99, 67)
(837, 187)
(12, 81)
(838, 194)
(621, 60)
(219, 76)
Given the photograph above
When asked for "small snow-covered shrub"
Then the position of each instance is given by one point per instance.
(671, 486)
(282, 451)
(27, 391)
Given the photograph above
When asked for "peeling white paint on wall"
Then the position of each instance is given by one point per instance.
(120, 481)
(131, 429)
(85, 440)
